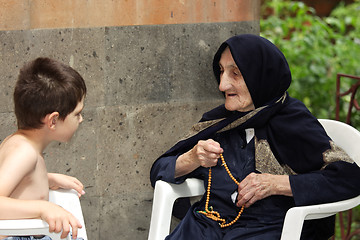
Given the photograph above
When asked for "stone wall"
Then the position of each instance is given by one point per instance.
(147, 84)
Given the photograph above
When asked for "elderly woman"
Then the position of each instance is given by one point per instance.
(259, 154)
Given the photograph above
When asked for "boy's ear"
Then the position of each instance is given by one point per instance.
(51, 120)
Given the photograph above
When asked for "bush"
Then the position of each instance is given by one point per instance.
(316, 49)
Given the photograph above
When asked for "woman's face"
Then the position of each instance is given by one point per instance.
(232, 83)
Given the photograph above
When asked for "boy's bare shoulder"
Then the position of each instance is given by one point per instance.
(23, 172)
(17, 148)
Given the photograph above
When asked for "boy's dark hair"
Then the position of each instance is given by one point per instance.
(44, 86)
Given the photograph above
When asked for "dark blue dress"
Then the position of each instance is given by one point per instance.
(313, 181)
(265, 216)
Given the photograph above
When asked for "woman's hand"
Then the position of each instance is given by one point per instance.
(59, 219)
(204, 153)
(259, 186)
(57, 181)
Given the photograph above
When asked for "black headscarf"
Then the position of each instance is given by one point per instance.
(263, 66)
(282, 121)
(286, 124)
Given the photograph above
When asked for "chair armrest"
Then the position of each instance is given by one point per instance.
(27, 227)
(296, 216)
(165, 195)
(67, 199)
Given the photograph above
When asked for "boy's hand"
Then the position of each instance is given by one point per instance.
(59, 220)
(57, 181)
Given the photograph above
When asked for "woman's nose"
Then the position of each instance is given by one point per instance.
(224, 83)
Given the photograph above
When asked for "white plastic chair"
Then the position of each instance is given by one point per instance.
(165, 194)
(68, 199)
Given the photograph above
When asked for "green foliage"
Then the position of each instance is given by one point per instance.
(316, 49)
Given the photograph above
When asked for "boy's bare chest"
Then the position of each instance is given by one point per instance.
(35, 185)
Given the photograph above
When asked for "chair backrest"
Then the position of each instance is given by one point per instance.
(348, 138)
(344, 136)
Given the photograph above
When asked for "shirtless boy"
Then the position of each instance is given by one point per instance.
(49, 98)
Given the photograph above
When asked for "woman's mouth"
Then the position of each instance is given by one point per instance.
(230, 95)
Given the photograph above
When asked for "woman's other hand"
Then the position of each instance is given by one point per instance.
(259, 186)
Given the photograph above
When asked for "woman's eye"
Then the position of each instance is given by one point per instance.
(237, 73)
(221, 69)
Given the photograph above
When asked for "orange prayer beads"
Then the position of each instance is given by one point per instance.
(209, 212)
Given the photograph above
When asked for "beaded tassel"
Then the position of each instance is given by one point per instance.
(209, 212)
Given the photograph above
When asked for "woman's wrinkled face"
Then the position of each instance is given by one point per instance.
(232, 83)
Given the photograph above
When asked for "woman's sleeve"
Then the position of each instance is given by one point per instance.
(163, 169)
(324, 172)
(337, 181)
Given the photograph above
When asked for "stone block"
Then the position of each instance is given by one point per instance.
(147, 85)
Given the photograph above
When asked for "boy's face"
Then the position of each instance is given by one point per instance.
(67, 127)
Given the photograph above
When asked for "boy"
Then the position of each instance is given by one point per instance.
(49, 98)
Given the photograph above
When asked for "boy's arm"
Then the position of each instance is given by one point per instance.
(57, 181)
(16, 164)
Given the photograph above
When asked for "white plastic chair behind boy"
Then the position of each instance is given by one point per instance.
(165, 194)
(68, 199)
